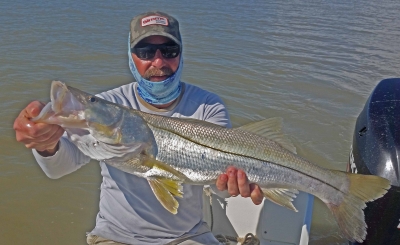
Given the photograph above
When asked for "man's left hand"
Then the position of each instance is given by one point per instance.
(236, 182)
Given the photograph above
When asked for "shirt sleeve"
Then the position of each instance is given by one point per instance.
(66, 160)
(215, 112)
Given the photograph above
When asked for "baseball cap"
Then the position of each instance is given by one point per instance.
(154, 23)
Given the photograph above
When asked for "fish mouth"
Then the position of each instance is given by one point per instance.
(60, 96)
(66, 107)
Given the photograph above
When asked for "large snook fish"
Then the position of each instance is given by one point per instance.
(171, 151)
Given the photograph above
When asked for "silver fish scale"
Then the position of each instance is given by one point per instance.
(185, 144)
(228, 140)
(203, 165)
(235, 141)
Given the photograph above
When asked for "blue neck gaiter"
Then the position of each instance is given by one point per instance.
(157, 93)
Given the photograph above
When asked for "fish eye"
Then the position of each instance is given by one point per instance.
(92, 99)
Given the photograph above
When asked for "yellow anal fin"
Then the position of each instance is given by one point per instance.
(173, 186)
(151, 162)
(164, 190)
(280, 196)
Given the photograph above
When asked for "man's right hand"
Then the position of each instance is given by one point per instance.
(40, 136)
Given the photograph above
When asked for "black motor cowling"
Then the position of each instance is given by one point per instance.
(376, 151)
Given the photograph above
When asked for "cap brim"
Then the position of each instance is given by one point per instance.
(156, 33)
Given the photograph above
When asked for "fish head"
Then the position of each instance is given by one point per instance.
(72, 108)
(63, 109)
(102, 118)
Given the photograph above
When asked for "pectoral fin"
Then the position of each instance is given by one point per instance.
(283, 197)
(110, 134)
(165, 190)
(151, 162)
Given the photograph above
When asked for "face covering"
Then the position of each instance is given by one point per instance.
(156, 93)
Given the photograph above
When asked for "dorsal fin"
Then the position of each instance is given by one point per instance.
(271, 129)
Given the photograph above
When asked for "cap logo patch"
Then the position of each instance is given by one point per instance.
(154, 20)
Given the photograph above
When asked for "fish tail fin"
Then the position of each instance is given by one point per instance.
(349, 213)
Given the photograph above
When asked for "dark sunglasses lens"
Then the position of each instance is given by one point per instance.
(144, 53)
(170, 52)
(148, 51)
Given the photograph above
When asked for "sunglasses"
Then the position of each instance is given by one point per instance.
(147, 51)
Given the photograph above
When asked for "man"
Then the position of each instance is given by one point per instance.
(129, 213)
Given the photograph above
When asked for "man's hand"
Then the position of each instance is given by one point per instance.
(236, 182)
(40, 136)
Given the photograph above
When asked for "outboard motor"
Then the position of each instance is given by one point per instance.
(376, 151)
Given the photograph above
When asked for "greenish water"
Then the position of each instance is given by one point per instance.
(313, 63)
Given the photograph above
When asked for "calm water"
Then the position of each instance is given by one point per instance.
(313, 63)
